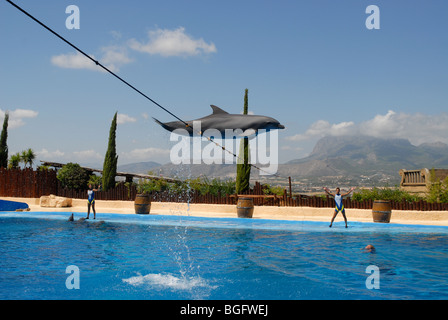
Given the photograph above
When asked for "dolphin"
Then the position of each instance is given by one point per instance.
(221, 121)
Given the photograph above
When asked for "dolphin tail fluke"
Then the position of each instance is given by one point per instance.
(157, 121)
(164, 126)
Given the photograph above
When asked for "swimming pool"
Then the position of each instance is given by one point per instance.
(172, 257)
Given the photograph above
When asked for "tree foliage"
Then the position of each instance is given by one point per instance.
(438, 190)
(201, 184)
(243, 167)
(111, 158)
(14, 161)
(73, 176)
(3, 143)
(386, 193)
(28, 156)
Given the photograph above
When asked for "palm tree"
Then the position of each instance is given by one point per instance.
(23, 158)
(14, 161)
(28, 157)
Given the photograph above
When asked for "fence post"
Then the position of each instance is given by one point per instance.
(290, 187)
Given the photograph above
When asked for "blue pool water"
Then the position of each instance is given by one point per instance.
(172, 257)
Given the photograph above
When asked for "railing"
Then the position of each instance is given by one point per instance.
(413, 177)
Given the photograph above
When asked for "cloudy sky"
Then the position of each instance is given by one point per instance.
(313, 65)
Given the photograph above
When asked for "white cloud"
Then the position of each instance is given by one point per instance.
(87, 155)
(16, 117)
(116, 34)
(144, 154)
(113, 57)
(84, 156)
(46, 155)
(124, 118)
(417, 128)
(75, 61)
(323, 128)
(169, 43)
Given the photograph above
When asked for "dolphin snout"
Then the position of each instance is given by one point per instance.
(280, 126)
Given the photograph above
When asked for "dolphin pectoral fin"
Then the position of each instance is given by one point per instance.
(248, 132)
(218, 110)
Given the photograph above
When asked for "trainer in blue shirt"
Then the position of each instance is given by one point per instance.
(91, 201)
(338, 202)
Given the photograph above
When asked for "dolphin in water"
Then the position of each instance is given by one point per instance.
(221, 121)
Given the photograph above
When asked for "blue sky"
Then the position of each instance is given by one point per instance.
(313, 65)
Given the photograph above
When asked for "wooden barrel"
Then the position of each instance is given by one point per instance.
(381, 211)
(142, 203)
(245, 207)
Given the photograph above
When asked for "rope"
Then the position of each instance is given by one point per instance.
(127, 83)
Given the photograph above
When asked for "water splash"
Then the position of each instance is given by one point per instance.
(195, 288)
(168, 281)
(177, 246)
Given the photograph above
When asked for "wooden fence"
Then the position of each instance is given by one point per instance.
(28, 183)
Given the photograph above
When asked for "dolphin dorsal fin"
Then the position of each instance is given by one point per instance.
(217, 110)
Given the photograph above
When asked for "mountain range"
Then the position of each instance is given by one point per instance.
(139, 167)
(363, 155)
(349, 156)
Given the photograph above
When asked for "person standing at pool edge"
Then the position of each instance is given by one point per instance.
(91, 201)
(338, 202)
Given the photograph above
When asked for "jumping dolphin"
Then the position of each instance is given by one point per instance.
(221, 121)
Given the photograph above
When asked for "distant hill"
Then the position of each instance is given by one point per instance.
(355, 155)
(140, 167)
(222, 171)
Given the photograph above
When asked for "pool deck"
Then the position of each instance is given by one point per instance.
(437, 218)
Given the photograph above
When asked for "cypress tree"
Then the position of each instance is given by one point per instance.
(3, 145)
(111, 158)
(243, 169)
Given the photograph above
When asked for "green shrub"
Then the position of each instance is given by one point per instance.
(267, 189)
(151, 185)
(201, 185)
(438, 191)
(386, 193)
(224, 187)
(73, 176)
(204, 186)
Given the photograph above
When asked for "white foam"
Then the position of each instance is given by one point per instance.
(168, 281)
